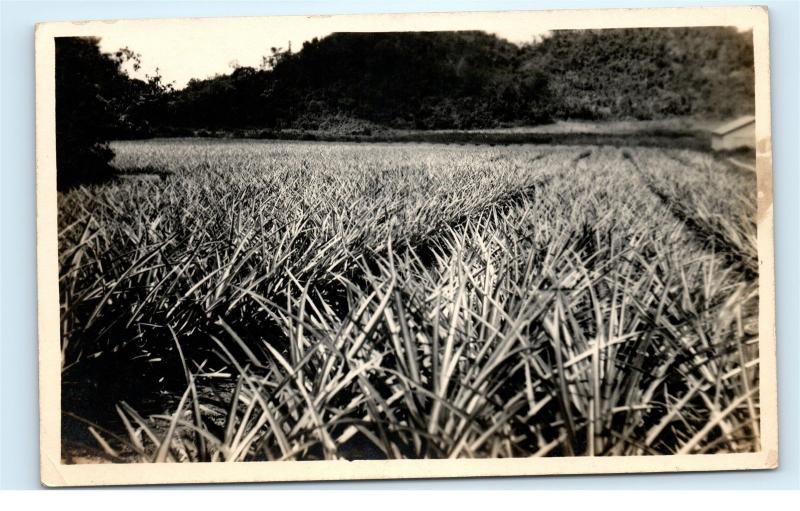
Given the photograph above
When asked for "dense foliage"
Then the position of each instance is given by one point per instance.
(96, 101)
(475, 80)
(402, 80)
(426, 80)
(83, 115)
(648, 73)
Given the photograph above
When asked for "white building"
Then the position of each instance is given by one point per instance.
(738, 133)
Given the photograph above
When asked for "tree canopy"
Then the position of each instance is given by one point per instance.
(95, 102)
(414, 80)
(648, 73)
(402, 80)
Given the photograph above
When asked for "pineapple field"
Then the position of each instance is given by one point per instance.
(243, 300)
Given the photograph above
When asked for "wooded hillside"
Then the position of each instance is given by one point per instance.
(362, 82)
(647, 73)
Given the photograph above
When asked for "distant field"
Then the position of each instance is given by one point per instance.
(251, 300)
(686, 133)
(677, 124)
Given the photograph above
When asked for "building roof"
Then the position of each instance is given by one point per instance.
(734, 124)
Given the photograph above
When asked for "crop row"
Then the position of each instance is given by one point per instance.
(329, 300)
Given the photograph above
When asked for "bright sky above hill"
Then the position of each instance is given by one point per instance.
(201, 48)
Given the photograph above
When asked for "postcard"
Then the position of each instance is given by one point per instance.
(405, 246)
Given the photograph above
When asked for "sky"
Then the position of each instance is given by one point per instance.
(202, 49)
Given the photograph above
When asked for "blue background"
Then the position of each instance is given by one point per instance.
(19, 449)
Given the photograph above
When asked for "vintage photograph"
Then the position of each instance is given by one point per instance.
(418, 237)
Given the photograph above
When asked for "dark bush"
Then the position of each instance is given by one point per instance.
(86, 81)
(96, 101)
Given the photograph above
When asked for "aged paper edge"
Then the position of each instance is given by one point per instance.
(54, 473)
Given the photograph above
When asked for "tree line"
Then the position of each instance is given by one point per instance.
(361, 82)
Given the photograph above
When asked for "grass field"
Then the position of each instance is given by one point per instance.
(245, 300)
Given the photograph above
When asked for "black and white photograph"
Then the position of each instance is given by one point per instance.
(394, 246)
